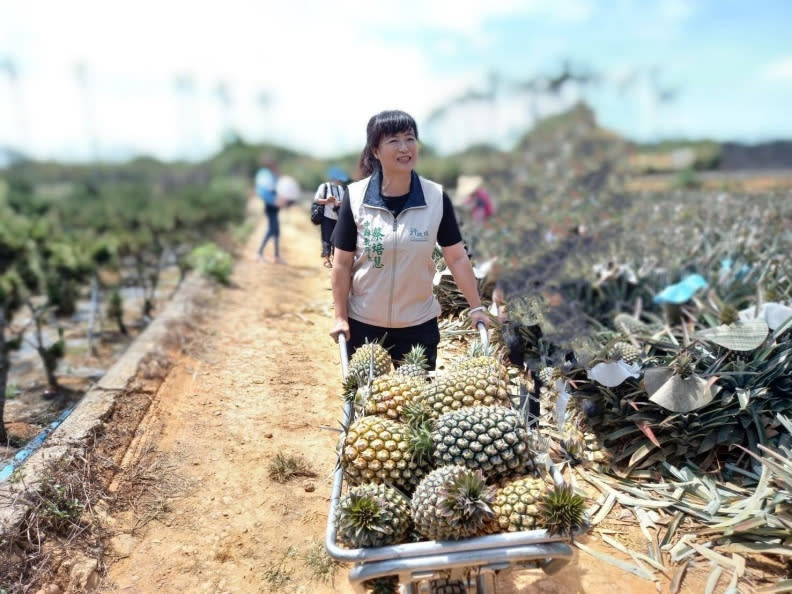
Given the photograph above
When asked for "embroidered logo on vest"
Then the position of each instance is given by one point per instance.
(372, 243)
(418, 235)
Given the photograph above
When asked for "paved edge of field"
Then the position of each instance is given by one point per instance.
(74, 433)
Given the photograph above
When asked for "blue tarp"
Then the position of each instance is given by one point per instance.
(682, 291)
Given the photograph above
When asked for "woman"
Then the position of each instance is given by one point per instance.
(386, 232)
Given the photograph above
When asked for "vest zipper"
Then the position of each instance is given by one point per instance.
(393, 269)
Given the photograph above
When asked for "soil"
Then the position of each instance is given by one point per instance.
(195, 507)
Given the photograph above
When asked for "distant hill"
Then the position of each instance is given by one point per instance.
(9, 156)
(766, 155)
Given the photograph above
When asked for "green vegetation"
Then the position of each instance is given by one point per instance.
(64, 228)
(212, 262)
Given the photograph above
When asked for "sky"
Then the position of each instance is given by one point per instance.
(169, 78)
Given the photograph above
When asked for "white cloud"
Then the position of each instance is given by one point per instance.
(326, 66)
(777, 71)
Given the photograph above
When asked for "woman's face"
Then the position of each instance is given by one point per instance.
(397, 153)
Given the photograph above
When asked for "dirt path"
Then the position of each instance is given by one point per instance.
(262, 381)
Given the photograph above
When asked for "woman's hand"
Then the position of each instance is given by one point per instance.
(339, 327)
(480, 316)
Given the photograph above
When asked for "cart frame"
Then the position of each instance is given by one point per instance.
(417, 563)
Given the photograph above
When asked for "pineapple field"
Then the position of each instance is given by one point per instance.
(634, 401)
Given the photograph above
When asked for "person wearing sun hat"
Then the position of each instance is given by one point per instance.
(470, 192)
(388, 226)
(329, 194)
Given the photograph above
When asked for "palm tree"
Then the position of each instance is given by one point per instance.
(223, 96)
(185, 89)
(8, 67)
(84, 83)
(263, 100)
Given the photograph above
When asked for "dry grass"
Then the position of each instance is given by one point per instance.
(323, 567)
(61, 519)
(283, 468)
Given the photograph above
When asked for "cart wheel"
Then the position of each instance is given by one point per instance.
(446, 586)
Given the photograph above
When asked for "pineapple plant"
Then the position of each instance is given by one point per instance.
(387, 394)
(380, 450)
(490, 438)
(452, 502)
(369, 360)
(468, 385)
(372, 515)
(414, 363)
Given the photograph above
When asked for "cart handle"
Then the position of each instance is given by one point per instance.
(482, 329)
(344, 352)
(342, 349)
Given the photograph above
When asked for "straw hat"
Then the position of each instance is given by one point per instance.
(466, 185)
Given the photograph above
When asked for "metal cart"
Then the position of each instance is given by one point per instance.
(416, 564)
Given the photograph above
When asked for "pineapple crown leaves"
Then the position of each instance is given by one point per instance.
(561, 510)
(350, 385)
(684, 365)
(418, 413)
(477, 349)
(467, 499)
(420, 444)
(416, 356)
(363, 513)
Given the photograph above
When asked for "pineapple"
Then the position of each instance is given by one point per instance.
(480, 356)
(490, 438)
(369, 360)
(625, 351)
(529, 503)
(583, 445)
(414, 363)
(380, 450)
(372, 515)
(476, 385)
(548, 375)
(628, 324)
(388, 394)
(573, 440)
(452, 502)
(516, 504)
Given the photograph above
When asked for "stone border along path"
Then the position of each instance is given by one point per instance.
(74, 434)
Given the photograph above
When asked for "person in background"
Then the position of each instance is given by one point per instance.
(330, 194)
(265, 184)
(471, 192)
(387, 229)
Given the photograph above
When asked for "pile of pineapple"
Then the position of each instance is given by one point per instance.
(444, 458)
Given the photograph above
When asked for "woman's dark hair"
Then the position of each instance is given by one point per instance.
(385, 123)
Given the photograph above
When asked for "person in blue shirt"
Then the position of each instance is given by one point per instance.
(265, 183)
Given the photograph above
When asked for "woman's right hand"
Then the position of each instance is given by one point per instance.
(339, 327)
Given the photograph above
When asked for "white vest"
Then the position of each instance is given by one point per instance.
(393, 268)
